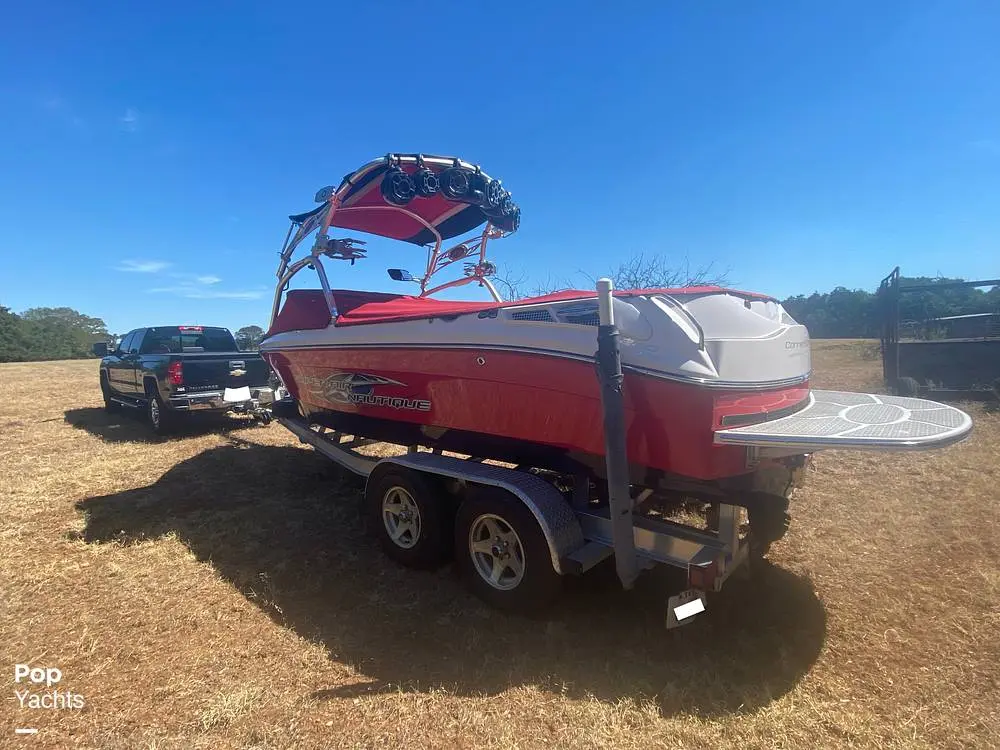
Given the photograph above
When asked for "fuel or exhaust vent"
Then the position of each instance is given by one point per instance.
(587, 319)
(582, 314)
(541, 316)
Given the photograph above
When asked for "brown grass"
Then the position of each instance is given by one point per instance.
(218, 590)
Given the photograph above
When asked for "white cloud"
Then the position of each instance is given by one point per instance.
(249, 294)
(142, 266)
(130, 120)
(207, 279)
(195, 291)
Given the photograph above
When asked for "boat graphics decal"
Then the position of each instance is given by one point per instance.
(359, 388)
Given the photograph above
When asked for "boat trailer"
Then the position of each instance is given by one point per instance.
(578, 534)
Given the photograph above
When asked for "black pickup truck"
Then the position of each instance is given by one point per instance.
(169, 370)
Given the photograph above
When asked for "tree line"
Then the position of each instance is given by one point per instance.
(857, 314)
(46, 333)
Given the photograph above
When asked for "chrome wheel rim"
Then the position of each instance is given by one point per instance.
(497, 552)
(401, 517)
(154, 413)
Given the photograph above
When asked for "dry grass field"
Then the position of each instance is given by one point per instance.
(218, 590)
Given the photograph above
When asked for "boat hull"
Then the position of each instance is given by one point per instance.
(716, 385)
(544, 410)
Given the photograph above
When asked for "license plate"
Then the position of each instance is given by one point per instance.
(235, 395)
(682, 607)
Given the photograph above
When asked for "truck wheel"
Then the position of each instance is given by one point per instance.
(502, 552)
(411, 516)
(110, 405)
(159, 416)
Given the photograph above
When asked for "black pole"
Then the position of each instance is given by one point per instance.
(612, 399)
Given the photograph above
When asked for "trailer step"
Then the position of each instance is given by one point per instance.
(587, 557)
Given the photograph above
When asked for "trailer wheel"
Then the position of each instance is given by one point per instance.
(411, 517)
(502, 553)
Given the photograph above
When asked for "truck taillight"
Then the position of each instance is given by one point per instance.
(175, 373)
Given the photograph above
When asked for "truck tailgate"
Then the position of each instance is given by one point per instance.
(213, 371)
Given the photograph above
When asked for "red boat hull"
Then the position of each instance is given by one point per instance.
(546, 402)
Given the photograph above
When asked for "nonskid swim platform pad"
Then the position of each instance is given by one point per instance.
(835, 419)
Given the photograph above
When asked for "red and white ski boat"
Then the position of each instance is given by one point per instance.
(716, 380)
(615, 407)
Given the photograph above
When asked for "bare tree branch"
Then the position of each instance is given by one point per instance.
(642, 272)
(510, 285)
(637, 272)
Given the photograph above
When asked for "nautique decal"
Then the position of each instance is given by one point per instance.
(359, 388)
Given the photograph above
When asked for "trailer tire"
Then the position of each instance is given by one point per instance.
(526, 581)
(411, 516)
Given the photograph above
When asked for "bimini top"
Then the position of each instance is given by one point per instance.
(402, 195)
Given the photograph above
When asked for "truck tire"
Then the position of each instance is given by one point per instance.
(411, 515)
(158, 416)
(110, 405)
(503, 554)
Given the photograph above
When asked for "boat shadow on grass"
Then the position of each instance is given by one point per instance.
(129, 426)
(293, 541)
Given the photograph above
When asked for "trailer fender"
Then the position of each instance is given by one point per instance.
(554, 515)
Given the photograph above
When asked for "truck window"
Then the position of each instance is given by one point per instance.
(136, 342)
(124, 343)
(180, 339)
(157, 341)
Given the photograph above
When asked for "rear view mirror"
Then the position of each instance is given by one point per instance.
(398, 274)
(100, 349)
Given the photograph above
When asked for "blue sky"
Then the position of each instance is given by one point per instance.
(153, 151)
